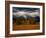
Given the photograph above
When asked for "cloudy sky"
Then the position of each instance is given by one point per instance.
(25, 11)
(15, 9)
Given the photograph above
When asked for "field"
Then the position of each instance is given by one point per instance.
(26, 27)
(29, 24)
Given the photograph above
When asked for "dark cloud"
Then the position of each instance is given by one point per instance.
(16, 9)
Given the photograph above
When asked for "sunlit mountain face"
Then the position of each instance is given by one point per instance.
(26, 13)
